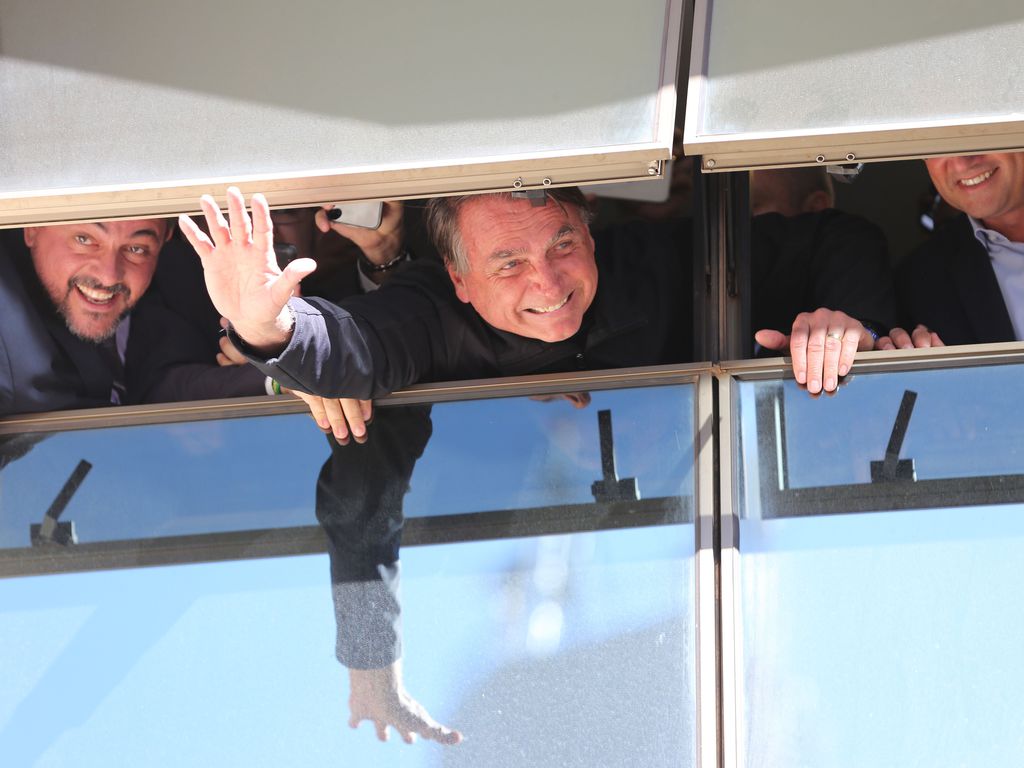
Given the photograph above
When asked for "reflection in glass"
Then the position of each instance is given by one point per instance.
(547, 647)
(872, 636)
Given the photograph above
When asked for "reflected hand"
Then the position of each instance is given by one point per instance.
(379, 696)
(241, 271)
(578, 399)
(343, 416)
(379, 245)
(921, 337)
(822, 344)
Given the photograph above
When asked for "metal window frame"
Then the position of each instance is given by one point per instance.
(857, 143)
(640, 161)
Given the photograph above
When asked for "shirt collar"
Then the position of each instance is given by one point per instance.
(987, 237)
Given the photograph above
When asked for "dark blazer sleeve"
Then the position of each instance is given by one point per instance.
(170, 360)
(367, 346)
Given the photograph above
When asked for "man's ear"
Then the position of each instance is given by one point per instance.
(460, 284)
(30, 236)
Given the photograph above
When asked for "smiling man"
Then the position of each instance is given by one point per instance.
(65, 302)
(523, 289)
(966, 284)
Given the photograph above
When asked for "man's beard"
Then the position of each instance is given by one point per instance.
(64, 308)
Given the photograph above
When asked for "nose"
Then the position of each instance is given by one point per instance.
(108, 266)
(547, 279)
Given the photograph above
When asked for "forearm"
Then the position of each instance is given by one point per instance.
(327, 354)
(199, 381)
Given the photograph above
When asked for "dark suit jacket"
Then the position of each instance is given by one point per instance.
(825, 259)
(43, 367)
(948, 284)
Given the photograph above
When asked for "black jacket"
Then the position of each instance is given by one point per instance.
(948, 284)
(415, 329)
(826, 259)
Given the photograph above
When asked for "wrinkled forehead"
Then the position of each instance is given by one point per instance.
(489, 223)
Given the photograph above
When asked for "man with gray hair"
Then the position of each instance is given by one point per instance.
(518, 294)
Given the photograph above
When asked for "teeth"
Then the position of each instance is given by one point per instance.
(545, 310)
(95, 294)
(976, 180)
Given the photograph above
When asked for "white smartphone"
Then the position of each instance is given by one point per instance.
(366, 215)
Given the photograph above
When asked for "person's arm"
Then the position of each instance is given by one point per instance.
(359, 500)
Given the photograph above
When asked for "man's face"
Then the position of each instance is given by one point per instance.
(531, 268)
(988, 187)
(94, 273)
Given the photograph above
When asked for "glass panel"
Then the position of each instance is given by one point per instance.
(540, 649)
(964, 423)
(872, 636)
(812, 65)
(204, 477)
(374, 85)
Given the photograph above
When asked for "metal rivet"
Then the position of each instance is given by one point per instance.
(850, 157)
(710, 163)
(546, 182)
(820, 159)
(652, 170)
(518, 182)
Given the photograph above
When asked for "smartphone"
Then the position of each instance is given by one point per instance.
(366, 215)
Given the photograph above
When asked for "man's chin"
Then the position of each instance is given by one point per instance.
(93, 329)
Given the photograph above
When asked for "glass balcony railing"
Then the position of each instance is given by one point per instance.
(880, 538)
(545, 552)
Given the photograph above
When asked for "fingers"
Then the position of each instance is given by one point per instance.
(823, 346)
(286, 285)
(230, 353)
(240, 225)
(921, 337)
(849, 346)
(195, 236)
(262, 224)
(344, 418)
(799, 340)
(215, 221)
(316, 409)
(770, 339)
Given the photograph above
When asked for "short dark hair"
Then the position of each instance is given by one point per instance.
(442, 220)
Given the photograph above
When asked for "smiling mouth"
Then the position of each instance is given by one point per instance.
(976, 180)
(96, 295)
(553, 308)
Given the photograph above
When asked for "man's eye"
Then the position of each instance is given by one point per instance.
(137, 250)
(508, 266)
(564, 245)
(83, 239)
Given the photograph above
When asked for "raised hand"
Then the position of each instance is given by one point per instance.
(243, 279)
(380, 245)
